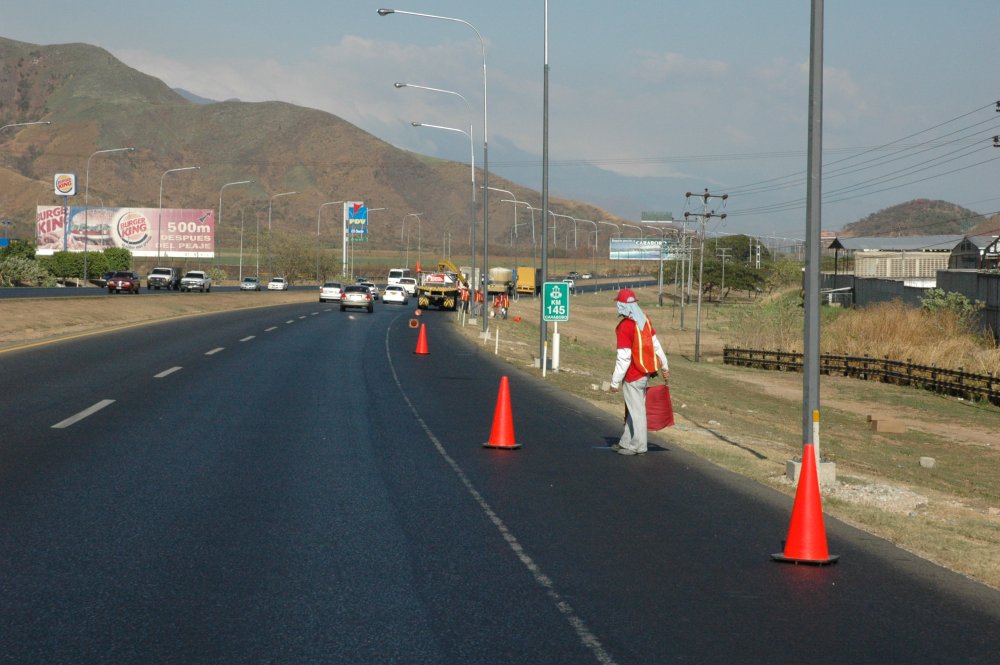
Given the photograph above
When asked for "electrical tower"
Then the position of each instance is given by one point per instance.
(705, 215)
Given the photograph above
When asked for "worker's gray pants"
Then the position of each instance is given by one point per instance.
(634, 437)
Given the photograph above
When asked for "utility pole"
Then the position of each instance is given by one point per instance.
(722, 254)
(705, 215)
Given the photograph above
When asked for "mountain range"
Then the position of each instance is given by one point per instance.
(95, 102)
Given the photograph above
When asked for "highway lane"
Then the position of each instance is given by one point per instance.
(305, 488)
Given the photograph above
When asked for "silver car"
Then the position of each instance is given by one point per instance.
(357, 295)
(331, 292)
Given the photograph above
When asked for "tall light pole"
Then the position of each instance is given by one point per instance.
(219, 218)
(159, 218)
(270, 205)
(407, 245)
(593, 267)
(472, 166)
(86, 204)
(472, 204)
(319, 214)
(6, 223)
(486, 134)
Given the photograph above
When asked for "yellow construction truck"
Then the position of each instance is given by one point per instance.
(529, 280)
(440, 289)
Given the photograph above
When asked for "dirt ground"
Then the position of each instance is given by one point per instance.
(919, 517)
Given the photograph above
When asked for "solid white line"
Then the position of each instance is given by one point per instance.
(166, 372)
(214, 351)
(83, 414)
(248, 338)
(270, 329)
(586, 637)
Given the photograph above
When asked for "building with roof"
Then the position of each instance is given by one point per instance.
(903, 258)
(980, 252)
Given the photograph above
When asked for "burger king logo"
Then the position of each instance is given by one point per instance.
(65, 184)
(133, 229)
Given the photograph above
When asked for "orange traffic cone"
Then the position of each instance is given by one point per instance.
(502, 435)
(806, 542)
(422, 342)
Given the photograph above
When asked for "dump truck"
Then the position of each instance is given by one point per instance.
(529, 280)
(440, 289)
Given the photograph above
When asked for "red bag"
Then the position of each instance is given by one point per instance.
(659, 409)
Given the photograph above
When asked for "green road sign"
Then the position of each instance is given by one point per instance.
(555, 301)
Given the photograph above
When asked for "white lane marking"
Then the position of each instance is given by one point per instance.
(214, 351)
(83, 414)
(587, 638)
(270, 329)
(303, 316)
(313, 313)
(166, 372)
(248, 338)
(290, 321)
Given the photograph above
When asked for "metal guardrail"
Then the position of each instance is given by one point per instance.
(955, 382)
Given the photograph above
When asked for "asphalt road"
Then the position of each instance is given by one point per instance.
(296, 485)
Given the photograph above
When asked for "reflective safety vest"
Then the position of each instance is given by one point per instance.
(643, 353)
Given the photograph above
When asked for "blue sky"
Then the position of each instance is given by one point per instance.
(691, 95)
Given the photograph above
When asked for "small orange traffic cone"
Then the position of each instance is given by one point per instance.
(806, 542)
(422, 342)
(502, 435)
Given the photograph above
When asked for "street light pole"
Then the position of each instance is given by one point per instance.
(472, 165)
(319, 214)
(270, 205)
(486, 134)
(219, 218)
(159, 218)
(86, 204)
(407, 245)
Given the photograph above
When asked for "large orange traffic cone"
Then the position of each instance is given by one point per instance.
(422, 342)
(806, 542)
(502, 435)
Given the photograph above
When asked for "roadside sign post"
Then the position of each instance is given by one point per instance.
(555, 308)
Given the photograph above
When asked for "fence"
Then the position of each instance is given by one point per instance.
(955, 382)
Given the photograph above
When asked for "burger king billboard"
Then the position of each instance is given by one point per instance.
(64, 184)
(173, 232)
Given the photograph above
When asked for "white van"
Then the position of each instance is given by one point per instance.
(395, 274)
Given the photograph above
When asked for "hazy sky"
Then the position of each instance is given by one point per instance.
(711, 94)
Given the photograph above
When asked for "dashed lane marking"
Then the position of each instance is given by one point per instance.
(83, 414)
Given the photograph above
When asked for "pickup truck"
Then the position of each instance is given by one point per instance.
(163, 278)
(196, 280)
(124, 281)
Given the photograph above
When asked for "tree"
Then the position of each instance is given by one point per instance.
(16, 270)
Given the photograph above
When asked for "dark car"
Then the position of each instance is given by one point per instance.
(356, 295)
(124, 282)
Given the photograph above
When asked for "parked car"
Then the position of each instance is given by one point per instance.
(250, 284)
(371, 287)
(410, 284)
(124, 282)
(277, 284)
(395, 293)
(357, 295)
(331, 292)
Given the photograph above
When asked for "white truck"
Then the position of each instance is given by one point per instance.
(196, 280)
(164, 278)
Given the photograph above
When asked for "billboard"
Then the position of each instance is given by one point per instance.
(631, 249)
(172, 232)
(356, 220)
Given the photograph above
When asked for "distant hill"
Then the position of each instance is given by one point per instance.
(920, 217)
(96, 102)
